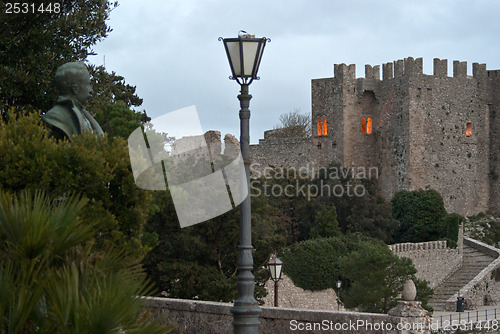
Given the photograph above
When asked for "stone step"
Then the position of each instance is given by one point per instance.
(473, 262)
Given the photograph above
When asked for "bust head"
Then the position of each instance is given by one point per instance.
(73, 81)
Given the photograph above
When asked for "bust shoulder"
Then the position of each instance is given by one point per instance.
(61, 119)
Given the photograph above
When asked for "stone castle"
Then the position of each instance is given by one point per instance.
(421, 131)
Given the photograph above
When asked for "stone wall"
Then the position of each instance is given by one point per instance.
(443, 157)
(282, 152)
(494, 172)
(291, 296)
(485, 287)
(194, 317)
(433, 260)
(325, 98)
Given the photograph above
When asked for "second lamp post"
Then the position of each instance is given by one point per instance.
(275, 266)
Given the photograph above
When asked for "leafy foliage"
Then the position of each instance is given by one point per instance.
(113, 102)
(424, 293)
(98, 168)
(372, 276)
(33, 46)
(375, 277)
(484, 228)
(51, 281)
(200, 261)
(369, 214)
(326, 224)
(294, 215)
(450, 227)
(314, 264)
(331, 187)
(423, 217)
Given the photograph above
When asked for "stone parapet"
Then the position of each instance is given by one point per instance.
(485, 287)
(410, 246)
(194, 317)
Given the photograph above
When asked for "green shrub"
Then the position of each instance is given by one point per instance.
(98, 168)
(423, 217)
(52, 282)
(372, 276)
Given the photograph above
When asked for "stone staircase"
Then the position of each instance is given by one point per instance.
(473, 262)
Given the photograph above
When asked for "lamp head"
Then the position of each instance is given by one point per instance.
(275, 266)
(244, 54)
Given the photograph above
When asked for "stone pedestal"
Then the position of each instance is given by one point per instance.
(412, 317)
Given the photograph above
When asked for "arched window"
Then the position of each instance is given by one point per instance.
(320, 127)
(369, 126)
(363, 125)
(325, 129)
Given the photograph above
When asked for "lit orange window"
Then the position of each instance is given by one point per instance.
(369, 126)
(363, 125)
(325, 129)
(468, 129)
(319, 127)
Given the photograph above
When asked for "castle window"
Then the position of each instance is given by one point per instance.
(369, 126)
(468, 129)
(363, 125)
(322, 127)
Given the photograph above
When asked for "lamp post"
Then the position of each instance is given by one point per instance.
(339, 285)
(275, 266)
(244, 54)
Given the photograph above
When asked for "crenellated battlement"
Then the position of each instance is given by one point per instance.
(494, 74)
(412, 247)
(372, 72)
(479, 70)
(344, 72)
(411, 66)
(440, 67)
(459, 69)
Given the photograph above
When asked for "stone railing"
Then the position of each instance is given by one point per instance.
(483, 289)
(191, 316)
(411, 247)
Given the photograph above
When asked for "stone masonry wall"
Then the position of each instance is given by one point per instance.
(433, 260)
(194, 317)
(442, 156)
(326, 98)
(291, 296)
(494, 170)
(282, 152)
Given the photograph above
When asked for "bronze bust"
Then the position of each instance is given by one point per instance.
(68, 116)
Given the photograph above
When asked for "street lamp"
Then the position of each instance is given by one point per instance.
(275, 266)
(339, 285)
(244, 54)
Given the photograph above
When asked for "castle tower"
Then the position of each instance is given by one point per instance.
(421, 131)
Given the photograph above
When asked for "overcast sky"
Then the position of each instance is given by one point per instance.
(169, 48)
